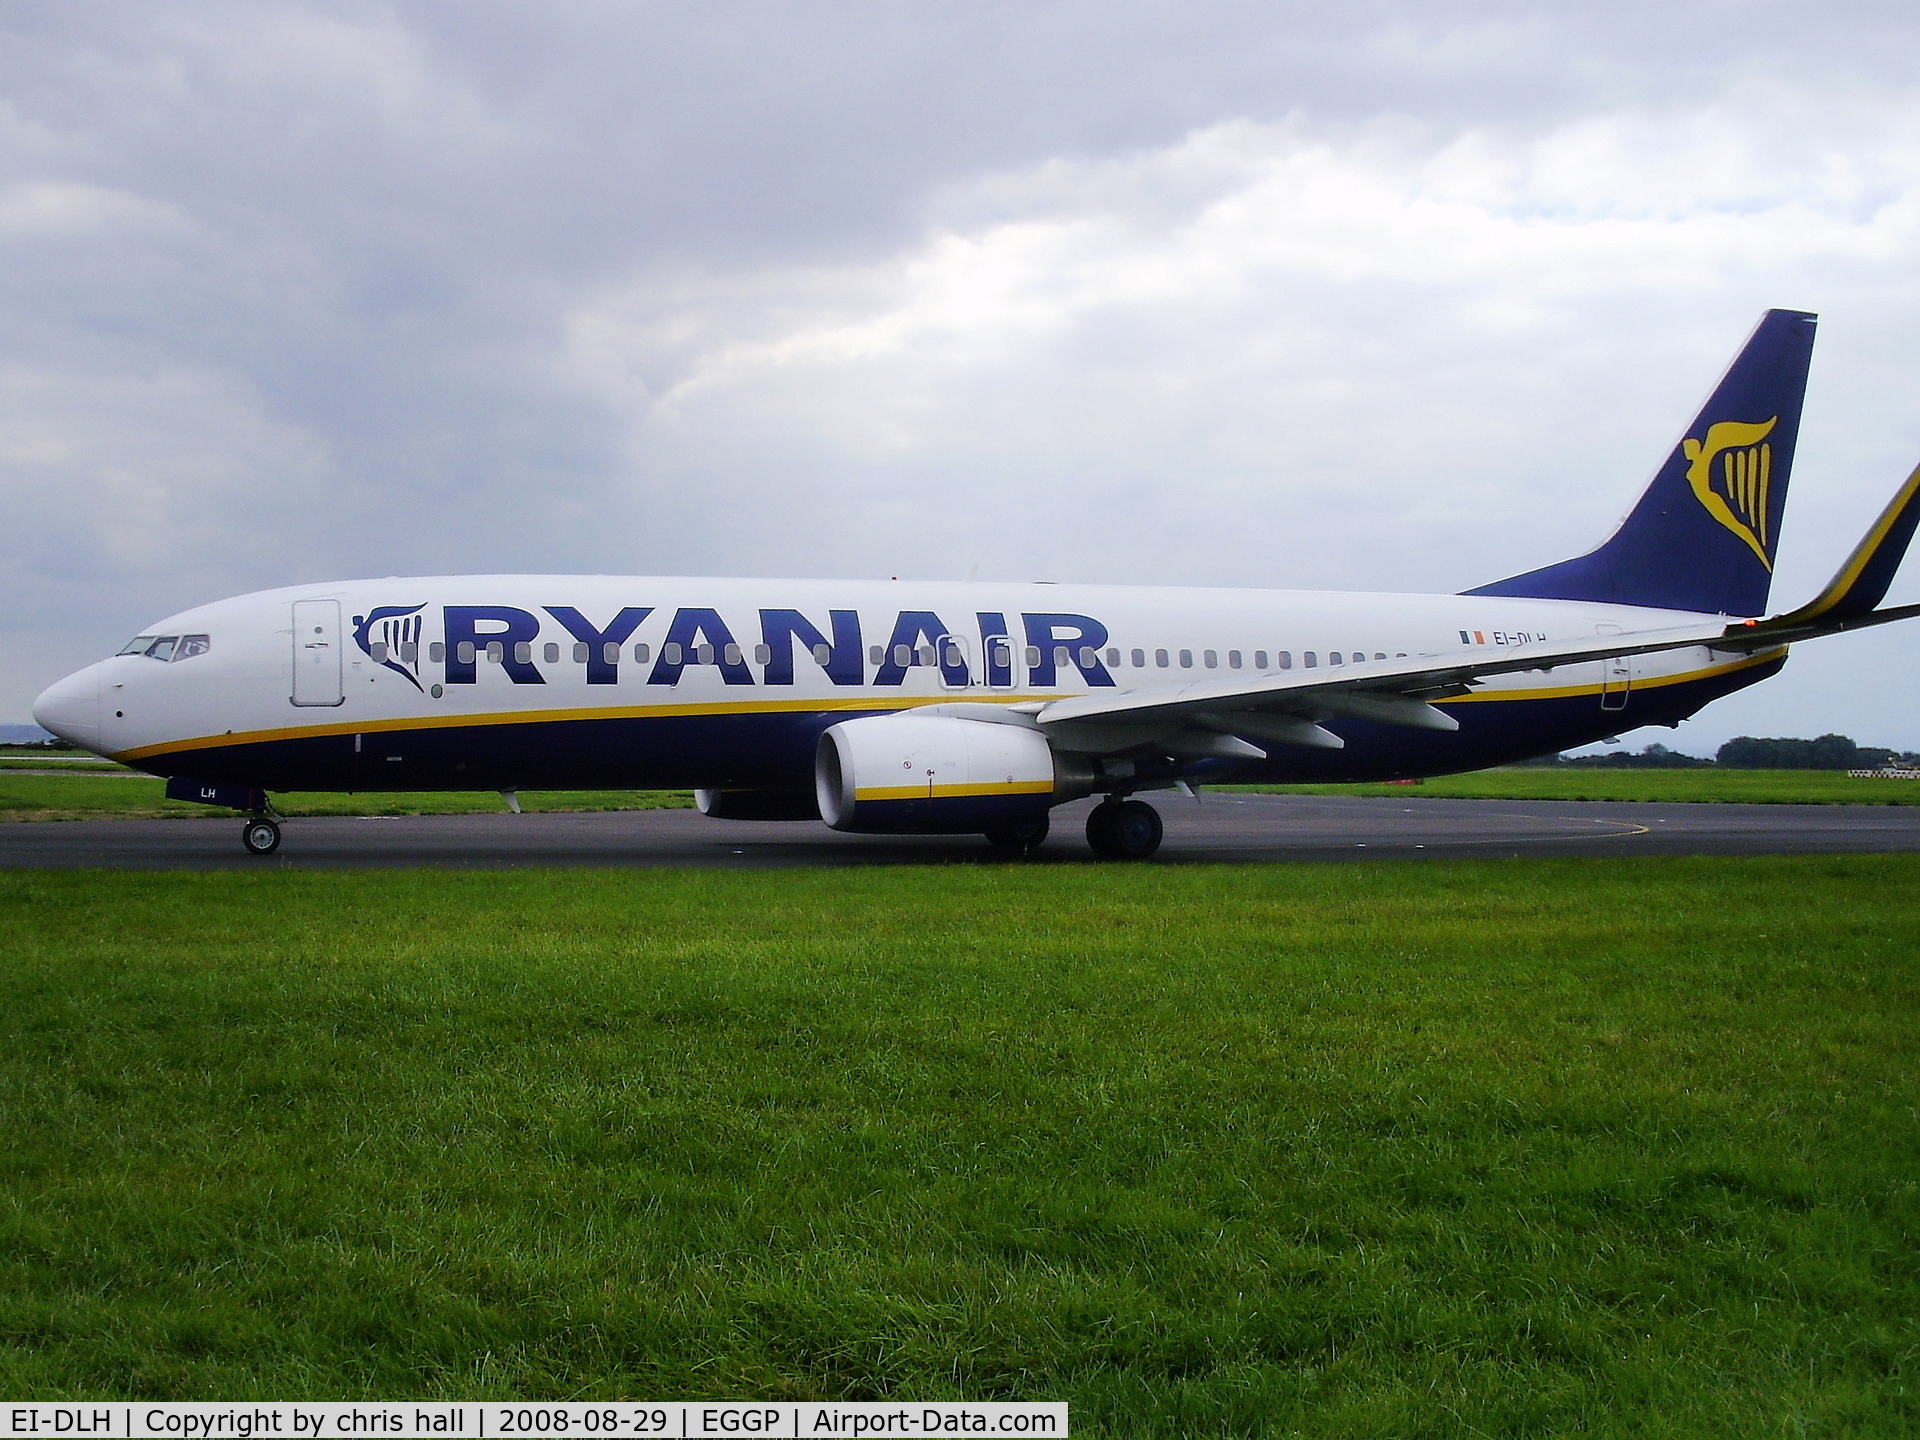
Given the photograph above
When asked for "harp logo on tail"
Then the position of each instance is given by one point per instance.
(1730, 471)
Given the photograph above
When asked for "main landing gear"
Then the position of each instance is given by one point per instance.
(1123, 829)
(260, 835)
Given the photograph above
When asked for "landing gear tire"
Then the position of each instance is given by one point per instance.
(261, 837)
(1123, 830)
(1019, 839)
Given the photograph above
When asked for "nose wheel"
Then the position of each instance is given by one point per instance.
(261, 836)
(1123, 830)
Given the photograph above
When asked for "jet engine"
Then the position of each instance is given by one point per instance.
(912, 774)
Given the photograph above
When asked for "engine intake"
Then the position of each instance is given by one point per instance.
(756, 804)
(913, 774)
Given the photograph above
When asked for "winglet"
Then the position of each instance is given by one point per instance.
(1862, 582)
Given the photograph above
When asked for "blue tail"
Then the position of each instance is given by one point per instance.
(1704, 534)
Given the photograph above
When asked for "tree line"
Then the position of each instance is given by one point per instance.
(1745, 752)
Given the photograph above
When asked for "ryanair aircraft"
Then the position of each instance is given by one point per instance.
(903, 708)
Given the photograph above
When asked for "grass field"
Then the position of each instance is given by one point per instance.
(1497, 1148)
(1753, 787)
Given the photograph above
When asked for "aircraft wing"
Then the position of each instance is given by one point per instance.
(1287, 707)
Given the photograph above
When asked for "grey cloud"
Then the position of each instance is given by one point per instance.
(296, 290)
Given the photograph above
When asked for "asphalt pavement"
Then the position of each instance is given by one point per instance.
(1230, 828)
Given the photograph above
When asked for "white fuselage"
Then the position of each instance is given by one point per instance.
(437, 682)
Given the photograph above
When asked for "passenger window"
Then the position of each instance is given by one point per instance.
(1233, 658)
(496, 651)
(1284, 659)
(1212, 659)
(732, 652)
(464, 650)
(552, 653)
(763, 654)
(410, 652)
(640, 654)
(136, 646)
(822, 654)
(1379, 654)
(1259, 659)
(162, 649)
(437, 651)
(1139, 658)
(580, 653)
(1186, 659)
(1113, 659)
(1309, 660)
(673, 652)
(609, 653)
(953, 660)
(378, 650)
(703, 654)
(523, 652)
(902, 656)
(1333, 658)
(1160, 658)
(1033, 656)
(923, 655)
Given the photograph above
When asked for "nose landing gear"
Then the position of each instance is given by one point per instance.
(1123, 830)
(260, 835)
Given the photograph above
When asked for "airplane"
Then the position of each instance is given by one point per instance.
(945, 708)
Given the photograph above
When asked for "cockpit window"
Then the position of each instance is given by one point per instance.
(136, 646)
(162, 649)
(192, 645)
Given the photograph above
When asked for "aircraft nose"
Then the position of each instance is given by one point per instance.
(70, 708)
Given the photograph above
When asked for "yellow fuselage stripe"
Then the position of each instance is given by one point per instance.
(540, 717)
(1655, 682)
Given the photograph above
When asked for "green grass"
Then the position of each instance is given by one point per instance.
(123, 795)
(1511, 1148)
(61, 765)
(1753, 787)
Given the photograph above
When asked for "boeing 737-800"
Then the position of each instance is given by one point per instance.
(904, 708)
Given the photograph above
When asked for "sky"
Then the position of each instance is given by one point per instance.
(1372, 297)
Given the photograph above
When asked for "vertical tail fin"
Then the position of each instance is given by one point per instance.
(1704, 534)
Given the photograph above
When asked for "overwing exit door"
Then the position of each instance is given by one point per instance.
(1616, 674)
(316, 653)
(1616, 681)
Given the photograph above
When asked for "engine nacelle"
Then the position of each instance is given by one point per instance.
(756, 804)
(913, 774)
